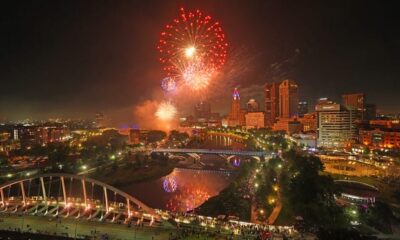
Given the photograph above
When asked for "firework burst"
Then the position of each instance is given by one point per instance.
(166, 111)
(192, 48)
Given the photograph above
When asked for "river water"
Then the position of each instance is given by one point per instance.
(182, 190)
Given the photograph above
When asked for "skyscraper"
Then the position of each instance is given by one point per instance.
(355, 101)
(288, 99)
(252, 106)
(302, 108)
(271, 103)
(202, 110)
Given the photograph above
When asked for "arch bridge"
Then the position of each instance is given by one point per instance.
(72, 196)
(227, 154)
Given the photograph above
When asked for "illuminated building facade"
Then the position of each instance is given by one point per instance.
(255, 120)
(335, 125)
(309, 122)
(288, 99)
(236, 116)
(271, 103)
(380, 138)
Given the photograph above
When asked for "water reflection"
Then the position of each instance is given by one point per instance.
(181, 190)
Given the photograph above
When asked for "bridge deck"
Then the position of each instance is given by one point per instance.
(210, 151)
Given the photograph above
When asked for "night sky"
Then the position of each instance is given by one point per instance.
(75, 58)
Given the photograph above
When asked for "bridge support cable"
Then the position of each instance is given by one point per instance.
(128, 205)
(84, 192)
(64, 192)
(2, 196)
(105, 198)
(43, 190)
(21, 183)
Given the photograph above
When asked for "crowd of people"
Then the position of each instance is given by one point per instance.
(199, 225)
(18, 235)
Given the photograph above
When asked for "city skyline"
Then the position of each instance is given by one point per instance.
(188, 119)
(80, 62)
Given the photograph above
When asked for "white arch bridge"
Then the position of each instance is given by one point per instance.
(72, 196)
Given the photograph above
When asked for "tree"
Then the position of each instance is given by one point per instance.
(310, 194)
(155, 136)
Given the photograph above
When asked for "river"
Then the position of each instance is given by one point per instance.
(183, 189)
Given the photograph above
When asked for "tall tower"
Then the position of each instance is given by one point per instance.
(235, 105)
(271, 103)
(288, 99)
(236, 116)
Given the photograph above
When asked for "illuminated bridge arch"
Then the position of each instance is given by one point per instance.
(67, 195)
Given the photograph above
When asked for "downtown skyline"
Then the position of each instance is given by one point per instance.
(83, 58)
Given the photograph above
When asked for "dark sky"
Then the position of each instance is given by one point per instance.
(74, 58)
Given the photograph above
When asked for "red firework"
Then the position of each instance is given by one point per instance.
(191, 38)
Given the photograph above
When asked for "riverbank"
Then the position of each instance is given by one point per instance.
(129, 173)
(232, 201)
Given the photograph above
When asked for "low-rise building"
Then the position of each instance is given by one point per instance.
(288, 125)
(380, 138)
(255, 120)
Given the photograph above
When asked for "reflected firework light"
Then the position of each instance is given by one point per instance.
(192, 47)
(166, 111)
(170, 185)
(168, 84)
(236, 162)
(187, 200)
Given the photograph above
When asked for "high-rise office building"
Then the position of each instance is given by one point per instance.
(202, 110)
(302, 108)
(335, 125)
(355, 101)
(253, 106)
(288, 99)
(271, 103)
